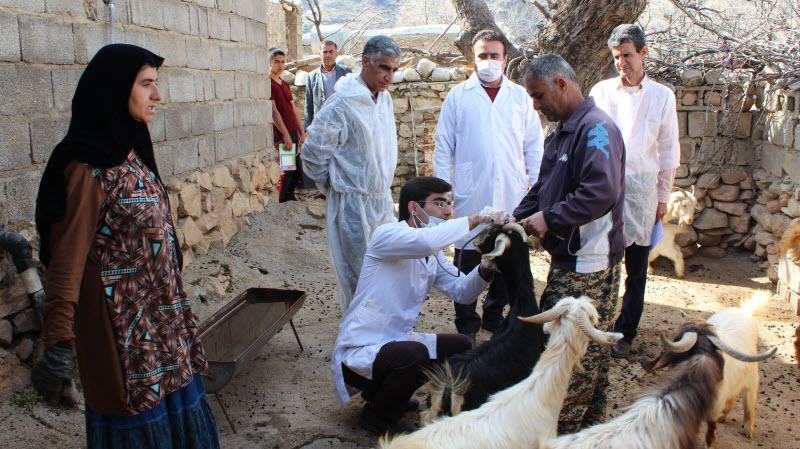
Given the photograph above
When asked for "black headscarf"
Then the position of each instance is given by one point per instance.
(101, 132)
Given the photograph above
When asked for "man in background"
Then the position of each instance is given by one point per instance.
(285, 122)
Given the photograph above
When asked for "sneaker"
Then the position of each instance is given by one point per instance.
(621, 350)
(380, 424)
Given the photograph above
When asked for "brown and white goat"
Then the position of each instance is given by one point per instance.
(526, 414)
(737, 327)
(681, 207)
(670, 415)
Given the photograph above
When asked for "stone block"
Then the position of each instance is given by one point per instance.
(143, 39)
(687, 237)
(9, 38)
(685, 182)
(240, 204)
(185, 156)
(148, 13)
(708, 240)
(24, 349)
(440, 74)
(173, 50)
(190, 201)
(256, 33)
(714, 98)
(259, 87)
(779, 224)
(25, 321)
(702, 124)
(681, 124)
(708, 180)
(682, 171)
(202, 119)
(205, 152)
(773, 206)
(259, 10)
(241, 85)
(724, 193)
(712, 251)
(740, 223)
(223, 116)
(176, 17)
(225, 145)
(262, 138)
(227, 57)
(247, 59)
(238, 30)
(714, 151)
(6, 332)
(780, 130)
(224, 85)
(737, 125)
(25, 5)
(163, 153)
(15, 143)
(732, 208)
(761, 215)
(688, 147)
(181, 86)
(249, 112)
(411, 75)
(13, 299)
(178, 122)
(18, 198)
(227, 229)
(733, 175)
(65, 80)
(88, 38)
(37, 35)
(711, 219)
(743, 151)
(46, 132)
(219, 25)
(191, 232)
(26, 89)
(244, 141)
(208, 86)
(689, 98)
(156, 125)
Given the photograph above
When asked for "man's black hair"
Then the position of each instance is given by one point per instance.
(276, 52)
(490, 35)
(417, 190)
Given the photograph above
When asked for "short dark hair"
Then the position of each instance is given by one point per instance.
(627, 32)
(490, 35)
(417, 190)
(547, 68)
(276, 52)
(329, 42)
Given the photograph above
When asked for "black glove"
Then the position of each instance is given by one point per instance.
(52, 375)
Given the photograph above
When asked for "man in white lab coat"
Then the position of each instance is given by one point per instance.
(645, 113)
(490, 138)
(351, 153)
(377, 351)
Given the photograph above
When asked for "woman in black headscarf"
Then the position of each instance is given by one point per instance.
(114, 287)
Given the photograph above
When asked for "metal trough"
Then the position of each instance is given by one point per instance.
(235, 334)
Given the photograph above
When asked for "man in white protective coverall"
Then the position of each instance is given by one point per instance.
(351, 153)
(490, 138)
(376, 350)
(645, 113)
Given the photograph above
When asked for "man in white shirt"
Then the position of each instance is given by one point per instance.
(645, 113)
(376, 350)
(490, 138)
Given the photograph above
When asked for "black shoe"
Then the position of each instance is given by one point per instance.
(380, 424)
(621, 350)
(491, 326)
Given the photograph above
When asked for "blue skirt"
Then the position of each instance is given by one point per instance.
(183, 420)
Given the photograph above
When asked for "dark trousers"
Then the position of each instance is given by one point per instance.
(633, 299)
(291, 178)
(397, 372)
(467, 319)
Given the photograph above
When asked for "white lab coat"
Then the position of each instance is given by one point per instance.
(351, 153)
(493, 149)
(399, 271)
(648, 121)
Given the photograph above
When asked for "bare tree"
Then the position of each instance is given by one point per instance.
(316, 13)
(577, 30)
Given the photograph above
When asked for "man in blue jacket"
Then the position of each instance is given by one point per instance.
(576, 209)
(321, 82)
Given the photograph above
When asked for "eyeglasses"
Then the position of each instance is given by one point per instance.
(441, 203)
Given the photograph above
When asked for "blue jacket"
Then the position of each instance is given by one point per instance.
(581, 191)
(315, 92)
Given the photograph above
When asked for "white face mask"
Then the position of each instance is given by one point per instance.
(432, 221)
(489, 70)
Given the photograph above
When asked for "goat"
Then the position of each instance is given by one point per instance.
(681, 207)
(509, 356)
(526, 414)
(737, 327)
(669, 416)
(790, 243)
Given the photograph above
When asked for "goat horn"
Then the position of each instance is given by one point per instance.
(500, 244)
(684, 344)
(739, 355)
(547, 316)
(597, 336)
(516, 227)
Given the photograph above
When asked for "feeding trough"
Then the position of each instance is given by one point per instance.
(235, 334)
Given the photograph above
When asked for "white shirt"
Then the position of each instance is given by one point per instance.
(493, 149)
(648, 121)
(399, 270)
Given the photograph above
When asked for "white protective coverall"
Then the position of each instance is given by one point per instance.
(351, 153)
(493, 148)
(649, 125)
(400, 269)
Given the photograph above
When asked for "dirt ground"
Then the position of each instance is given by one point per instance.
(284, 397)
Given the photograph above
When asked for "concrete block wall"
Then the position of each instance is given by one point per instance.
(216, 95)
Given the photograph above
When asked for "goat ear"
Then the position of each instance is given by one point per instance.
(651, 365)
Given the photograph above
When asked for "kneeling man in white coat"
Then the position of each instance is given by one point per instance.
(377, 351)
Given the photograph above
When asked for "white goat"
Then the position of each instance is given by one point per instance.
(670, 415)
(524, 415)
(681, 207)
(737, 327)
